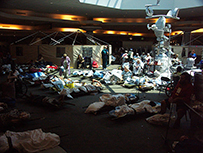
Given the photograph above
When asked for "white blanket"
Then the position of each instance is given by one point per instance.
(29, 141)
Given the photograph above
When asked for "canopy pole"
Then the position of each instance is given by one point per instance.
(75, 39)
(70, 38)
(42, 39)
(194, 39)
(24, 38)
(96, 38)
(62, 39)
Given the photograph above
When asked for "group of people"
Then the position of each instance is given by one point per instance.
(136, 64)
(133, 65)
(37, 65)
(81, 62)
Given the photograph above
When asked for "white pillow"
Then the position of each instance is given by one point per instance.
(94, 107)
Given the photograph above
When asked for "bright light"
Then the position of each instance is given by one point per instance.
(68, 17)
(71, 30)
(198, 31)
(118, 33)
(176, 32)
(110, 32)
(120, 20)
(136, 34)
(123, 33)
(8, 27)
(101, 19)
(14, 27)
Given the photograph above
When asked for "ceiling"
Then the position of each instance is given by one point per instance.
(48, 16)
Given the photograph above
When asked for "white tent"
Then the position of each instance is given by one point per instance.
(25, 53)
(54, 51)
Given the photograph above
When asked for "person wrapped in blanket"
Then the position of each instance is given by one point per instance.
(180, 95)
(136, 108)
(13, 117)
(45, 100)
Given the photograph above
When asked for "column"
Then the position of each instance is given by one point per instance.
(186, 38)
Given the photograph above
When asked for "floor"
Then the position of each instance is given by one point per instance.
(100, 133)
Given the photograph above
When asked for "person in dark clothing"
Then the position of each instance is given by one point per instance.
(80, 61)
(40, 61)
(105, 53)
(180, 95)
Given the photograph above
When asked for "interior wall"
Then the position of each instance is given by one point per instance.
(29, 53)
(137, 44)
(49, 53)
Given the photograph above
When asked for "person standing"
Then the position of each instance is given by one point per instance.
(65, 62)
(130, 54)
(193, 54)
(190, 63)
(105, 53)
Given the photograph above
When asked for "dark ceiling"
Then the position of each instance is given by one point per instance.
(39, 15)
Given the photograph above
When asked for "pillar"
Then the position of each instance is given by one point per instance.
(186, 38)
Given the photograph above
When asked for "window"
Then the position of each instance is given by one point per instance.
(87, 51)
(60, 51)
(19, 51)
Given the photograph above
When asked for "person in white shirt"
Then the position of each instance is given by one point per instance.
(126, 63)
(138, 67)
(124, 56)
(190, 63)
(147, 63)
(148, 58)
(137, 56)
(130, 54)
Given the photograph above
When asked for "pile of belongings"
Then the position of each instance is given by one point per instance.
(35, 78)
(68, 87)
(44, 100)
(189, 145)
(84, 73)
(106, 100)
(6, 68)
(14, 116)
(28, 141)
(136, 108)
(160, 119)
(3, 107)
(51, 68)
(143, 83)
(123, 105)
